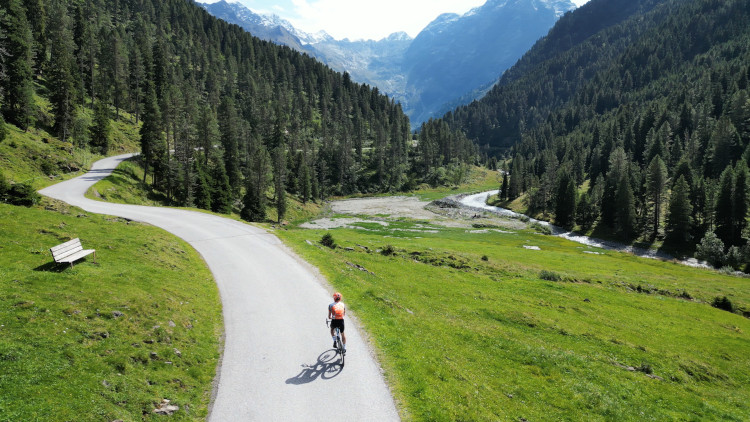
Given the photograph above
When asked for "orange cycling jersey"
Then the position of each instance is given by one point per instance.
(337, 309)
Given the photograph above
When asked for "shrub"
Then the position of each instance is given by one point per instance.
(549, 275)
(4, 188)
(711, 250)
(388, 250)
(327, 241)
(485, 258)
(22, 194)
(723, 303)
(542, 228)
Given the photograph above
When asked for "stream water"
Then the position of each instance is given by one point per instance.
(479, 201)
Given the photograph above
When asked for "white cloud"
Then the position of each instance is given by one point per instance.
(358, 19)
(369, 19)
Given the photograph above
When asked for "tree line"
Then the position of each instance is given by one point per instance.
(226, 121)
(640, 129)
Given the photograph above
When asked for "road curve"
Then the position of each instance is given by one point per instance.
(277, 363)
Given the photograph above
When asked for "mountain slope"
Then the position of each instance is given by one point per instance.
(457, 54)
(653, 111)
(452, 61)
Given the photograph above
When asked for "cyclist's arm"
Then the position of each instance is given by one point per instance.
(330, 316)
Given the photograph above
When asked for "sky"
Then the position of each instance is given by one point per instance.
(361, 19)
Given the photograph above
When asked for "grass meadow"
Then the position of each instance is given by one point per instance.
(468, 326)
(106, 340)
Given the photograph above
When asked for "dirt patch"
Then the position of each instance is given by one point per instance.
(388, 208)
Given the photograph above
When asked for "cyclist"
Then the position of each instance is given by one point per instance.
(336, 312)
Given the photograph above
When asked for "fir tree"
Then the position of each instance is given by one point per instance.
(61, 68)
(723, 208)
(101, 129)
(17, 85)
(679, 225)
(656, 184)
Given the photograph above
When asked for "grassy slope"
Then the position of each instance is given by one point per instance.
(64, 355)
(493, 341)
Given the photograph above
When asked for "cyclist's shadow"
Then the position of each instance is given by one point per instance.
(327, 367)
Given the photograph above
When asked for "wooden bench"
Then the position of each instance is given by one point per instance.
(70, 251)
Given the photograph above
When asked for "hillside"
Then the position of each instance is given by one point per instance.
(657, 95)
(224, 120)
(451, 61)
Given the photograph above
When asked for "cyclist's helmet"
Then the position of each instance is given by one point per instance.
(337, 296)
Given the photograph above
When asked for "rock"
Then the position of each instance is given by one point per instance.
(154, 355)
(309, 242)
(165, 408)
(117, 314)
(172, 324)
(178, 353)
(586, 300)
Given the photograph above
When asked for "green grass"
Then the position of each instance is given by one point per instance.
(480, 179)
(39, 158)
(77, 343)
(462, 338)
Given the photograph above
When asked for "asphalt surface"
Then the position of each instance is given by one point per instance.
(277, 363)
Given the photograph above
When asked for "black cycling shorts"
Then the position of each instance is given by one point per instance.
(337, 323)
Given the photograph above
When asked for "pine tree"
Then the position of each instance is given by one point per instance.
(202, 188)
(625, 217)
(565, 204)
(230, 130)
(656, 185)
(151, 132)
(279, 178)
(17, 85)
(503, 194)
(61, 68)
(679, 225)
(101, 129)
(723, 208)
(739, 203)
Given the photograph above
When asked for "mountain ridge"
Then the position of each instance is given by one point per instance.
(430, 73)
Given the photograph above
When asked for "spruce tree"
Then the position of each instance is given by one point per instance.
(679, 225)
(17, 85)
(625, 217)
(739, 203)
(151, 132)
(62, 65)
(724, 207)
(656, 185)
(101, 129)
(565, 201)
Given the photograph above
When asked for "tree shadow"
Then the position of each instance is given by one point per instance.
(328, 366)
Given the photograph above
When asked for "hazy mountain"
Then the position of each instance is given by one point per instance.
(455, 55)
(454, 60)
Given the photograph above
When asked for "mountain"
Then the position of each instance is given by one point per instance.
(453, 61)
(457, 54)
(644, 102)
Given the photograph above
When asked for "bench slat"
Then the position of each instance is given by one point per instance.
(65, 245)
(77, 256)
(70, 251)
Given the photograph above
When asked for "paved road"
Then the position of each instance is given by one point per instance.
(277, 362)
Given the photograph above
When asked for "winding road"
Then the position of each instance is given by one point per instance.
(277, 363)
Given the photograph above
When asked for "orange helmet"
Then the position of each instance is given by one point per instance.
(337, 296)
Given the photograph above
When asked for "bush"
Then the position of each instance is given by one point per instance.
(723, 303)
(711, 250)
(388, 250)
(22, 194)
(542, 228)
(549, 275)
(327, 241)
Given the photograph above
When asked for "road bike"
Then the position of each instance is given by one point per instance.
(339, 345)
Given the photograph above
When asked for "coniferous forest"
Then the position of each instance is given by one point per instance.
(227, 121)
(631, 118)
